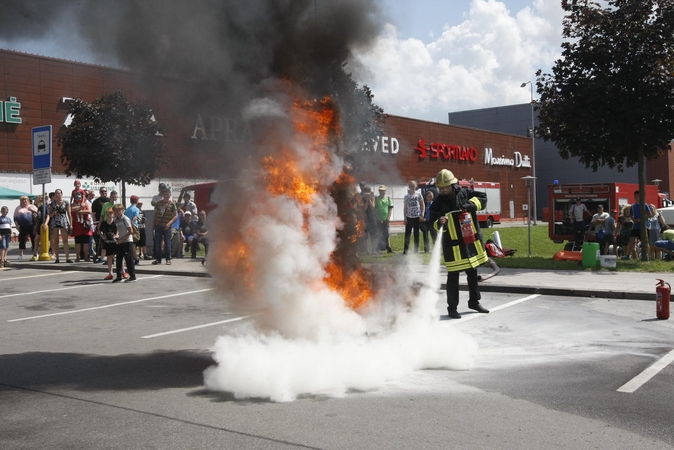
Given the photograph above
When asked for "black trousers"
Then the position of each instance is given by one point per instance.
(453, 288)
(412, 225)
(426, 229)
(125, 251)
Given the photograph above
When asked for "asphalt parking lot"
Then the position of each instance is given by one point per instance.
(88, 364)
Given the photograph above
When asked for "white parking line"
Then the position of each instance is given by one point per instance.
(33, 276)
(212, 324)
(79, 286)
(496, 308)
(109, 306)
(641, 379)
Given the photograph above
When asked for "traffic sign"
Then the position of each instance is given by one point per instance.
(42, 147)
(42, 176)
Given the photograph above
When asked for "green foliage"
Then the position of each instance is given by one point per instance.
(611, 94)
(610, 98)
(112, 140)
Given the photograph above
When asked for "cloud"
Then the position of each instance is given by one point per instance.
(478, 63)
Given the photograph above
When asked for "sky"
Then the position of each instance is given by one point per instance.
(433, 57)
(440, 56)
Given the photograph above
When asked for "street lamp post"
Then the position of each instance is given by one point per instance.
(528, 180)
(533, 143)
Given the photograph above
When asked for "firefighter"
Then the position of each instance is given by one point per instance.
(454, 212)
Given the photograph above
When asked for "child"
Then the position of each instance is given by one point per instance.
(78, 188)
(107, 230)
(124, 245)
(5, 235)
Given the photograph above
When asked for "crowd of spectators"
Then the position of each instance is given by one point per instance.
(103, 230)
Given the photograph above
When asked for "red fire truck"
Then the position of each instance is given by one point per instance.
(611, 195)
(487, 217)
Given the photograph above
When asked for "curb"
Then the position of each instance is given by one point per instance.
(94, 268)
(559, 292)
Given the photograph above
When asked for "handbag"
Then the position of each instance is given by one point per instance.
(601, 234)
(135, 233)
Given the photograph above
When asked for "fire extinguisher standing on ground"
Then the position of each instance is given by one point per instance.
(662, 299)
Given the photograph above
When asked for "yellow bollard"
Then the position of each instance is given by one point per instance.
(44, 243)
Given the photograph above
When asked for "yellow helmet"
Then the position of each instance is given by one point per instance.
(445, 178)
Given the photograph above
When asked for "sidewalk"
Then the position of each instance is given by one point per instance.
(585, 283)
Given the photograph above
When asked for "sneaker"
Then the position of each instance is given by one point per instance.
(117, 280)
(136, 262)
(155, 262)
(20, 256)
(108, 278)
(147, 258)
(125, 275)
(6, 263)
(130, 280)
(34, 258)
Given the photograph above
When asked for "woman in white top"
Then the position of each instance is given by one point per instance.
(413, 209)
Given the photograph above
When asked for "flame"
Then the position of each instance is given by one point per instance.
(354, 286)
(286, 173)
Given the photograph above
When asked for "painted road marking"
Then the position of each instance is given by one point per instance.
(496, 308)
(33, 276)
(641, 379)
(109, 306)
(79, 286)
(212, 324)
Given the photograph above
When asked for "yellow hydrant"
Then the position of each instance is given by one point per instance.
(44, 243)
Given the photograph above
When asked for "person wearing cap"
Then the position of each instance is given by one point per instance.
(190, 206)
(133, 213)
(188, 227)
(600, 231)
(383, 206)
(609, 237)
(462, 253)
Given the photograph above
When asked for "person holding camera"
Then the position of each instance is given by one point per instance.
(454, 213)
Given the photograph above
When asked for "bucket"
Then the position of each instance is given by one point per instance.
(590, 254)
(608, 261)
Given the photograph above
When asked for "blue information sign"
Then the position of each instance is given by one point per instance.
(42, 147)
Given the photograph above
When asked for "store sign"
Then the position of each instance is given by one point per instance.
(9, 111)
(446, 151)
(516, 161)
(215, 128)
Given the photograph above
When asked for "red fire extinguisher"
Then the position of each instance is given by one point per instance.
(466, 228)
(662, 299)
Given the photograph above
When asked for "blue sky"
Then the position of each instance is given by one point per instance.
(434, 56)
(424, 18)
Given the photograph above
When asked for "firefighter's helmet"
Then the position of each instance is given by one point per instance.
(445, 178)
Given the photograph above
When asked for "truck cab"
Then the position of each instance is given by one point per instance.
(202, 194)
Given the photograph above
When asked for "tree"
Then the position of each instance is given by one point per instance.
(610, 98)
(112, 139)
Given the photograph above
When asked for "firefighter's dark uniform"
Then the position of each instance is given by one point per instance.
(458, 255)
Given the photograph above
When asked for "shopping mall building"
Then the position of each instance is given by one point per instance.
(35, 90)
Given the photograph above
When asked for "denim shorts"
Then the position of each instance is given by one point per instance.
(4, 241)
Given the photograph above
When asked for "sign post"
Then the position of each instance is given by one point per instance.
(42, 175)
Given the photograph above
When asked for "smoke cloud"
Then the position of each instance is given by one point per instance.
(283, 221)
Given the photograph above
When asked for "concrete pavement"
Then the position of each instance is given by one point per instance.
(581, 283)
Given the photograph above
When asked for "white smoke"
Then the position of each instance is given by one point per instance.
(304, 339)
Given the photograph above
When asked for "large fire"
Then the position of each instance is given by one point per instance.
(296, 171)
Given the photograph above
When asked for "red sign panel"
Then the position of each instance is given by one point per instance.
(446, 151)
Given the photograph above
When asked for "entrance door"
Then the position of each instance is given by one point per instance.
(512, 209)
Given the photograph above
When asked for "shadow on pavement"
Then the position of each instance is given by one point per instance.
(159, 370)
